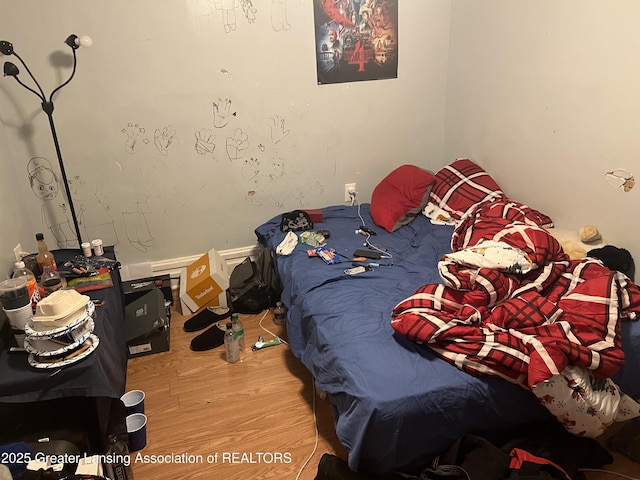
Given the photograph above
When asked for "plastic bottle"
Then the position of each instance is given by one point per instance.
(19, 270)
(279, 314)
(238, 330)
(231, 345)
(45, 257)
(117, 459)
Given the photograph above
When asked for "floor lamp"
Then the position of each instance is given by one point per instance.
(11, 70)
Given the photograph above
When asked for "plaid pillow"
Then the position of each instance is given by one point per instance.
(462, 184)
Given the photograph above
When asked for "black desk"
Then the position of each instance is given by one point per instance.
(85, 395)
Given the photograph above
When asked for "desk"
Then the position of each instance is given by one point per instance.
(87, 393)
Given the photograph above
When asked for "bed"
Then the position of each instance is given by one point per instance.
(400, 397)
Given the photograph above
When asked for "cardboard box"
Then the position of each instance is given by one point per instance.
(146, 326)
(205, 282)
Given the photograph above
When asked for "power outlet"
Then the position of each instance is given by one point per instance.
(350, 188)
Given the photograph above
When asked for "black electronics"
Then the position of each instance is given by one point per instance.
(367, 254)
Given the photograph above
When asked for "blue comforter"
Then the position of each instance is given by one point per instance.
(396, 404)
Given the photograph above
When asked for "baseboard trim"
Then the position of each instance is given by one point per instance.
(173, 266)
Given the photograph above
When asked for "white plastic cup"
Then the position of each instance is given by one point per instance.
(133, 401)
(97, 247)
(137, 431)
(18, 319)
(86, 249)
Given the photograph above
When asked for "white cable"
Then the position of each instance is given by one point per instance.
(267, 330)
(367, 242)
(313, 394)
(601, 470)
(315, 426)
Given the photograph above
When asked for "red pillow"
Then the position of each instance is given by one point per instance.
(460, 185)
(400, 197)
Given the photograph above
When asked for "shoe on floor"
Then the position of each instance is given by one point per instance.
(205, 318)
(212, 337)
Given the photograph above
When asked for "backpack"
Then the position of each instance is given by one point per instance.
(254, 286)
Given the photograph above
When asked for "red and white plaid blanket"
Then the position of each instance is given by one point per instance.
(526, 328)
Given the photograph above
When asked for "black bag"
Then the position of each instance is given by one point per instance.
(296, 221)
(254, 286)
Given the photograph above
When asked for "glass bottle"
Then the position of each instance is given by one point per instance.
(238, 330)
(117, 459)
(50, 280)
(45, 257)
(279, 314)
(231, 344)
(20, 270)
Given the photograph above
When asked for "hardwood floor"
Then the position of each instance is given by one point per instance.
(254, 419)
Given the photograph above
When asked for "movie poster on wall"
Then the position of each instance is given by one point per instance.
(356, 40)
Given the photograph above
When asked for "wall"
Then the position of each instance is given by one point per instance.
(157, 164)
(545, 95)
(14, 214)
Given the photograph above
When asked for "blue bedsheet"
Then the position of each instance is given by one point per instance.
(396, 404)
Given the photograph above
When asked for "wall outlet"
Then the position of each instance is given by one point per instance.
(350, 191)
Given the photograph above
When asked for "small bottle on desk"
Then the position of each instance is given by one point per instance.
(45, 258)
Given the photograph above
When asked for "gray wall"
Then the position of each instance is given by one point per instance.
(546, 96)
(155, 71)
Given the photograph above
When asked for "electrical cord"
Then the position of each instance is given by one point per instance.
(313, 401)
(384, 253)
(601, 470)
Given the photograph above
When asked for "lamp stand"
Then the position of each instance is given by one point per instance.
(11, 70)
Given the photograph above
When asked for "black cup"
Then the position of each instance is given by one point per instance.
(13, 299)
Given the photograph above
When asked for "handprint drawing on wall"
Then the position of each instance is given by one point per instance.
(251, 169)
(222, 113)
(134, 134)
(278, 130)
(204, 141)
(165, 139)
(237, 145)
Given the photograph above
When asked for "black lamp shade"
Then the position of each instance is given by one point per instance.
(10, 70)
(6, 48)
(71, 41)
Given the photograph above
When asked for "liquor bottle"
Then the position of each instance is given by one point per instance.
(231, 344)
(20, 270)
(279, 314)
(45, 257)
(238, 330)
(117, 460)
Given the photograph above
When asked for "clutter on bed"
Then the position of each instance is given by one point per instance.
(488, 311)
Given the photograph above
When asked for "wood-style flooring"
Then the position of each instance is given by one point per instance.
(254, 419)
